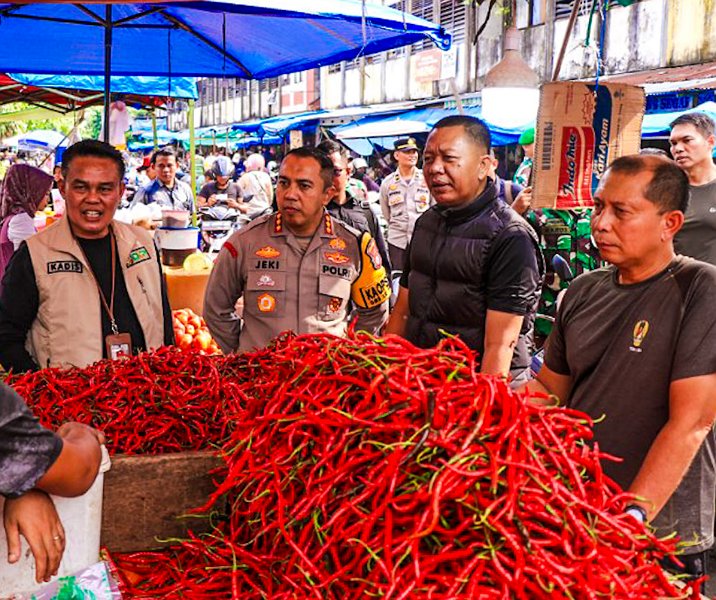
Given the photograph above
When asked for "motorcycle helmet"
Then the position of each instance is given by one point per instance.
(359, 163)
(223, 167)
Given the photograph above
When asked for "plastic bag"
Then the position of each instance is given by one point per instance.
(93, 583)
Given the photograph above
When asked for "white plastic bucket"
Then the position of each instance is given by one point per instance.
(82, 520)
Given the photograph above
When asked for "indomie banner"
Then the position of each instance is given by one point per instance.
(581, 128)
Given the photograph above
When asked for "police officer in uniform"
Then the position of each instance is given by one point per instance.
(404, 196)
(299, 269)
(349, 204)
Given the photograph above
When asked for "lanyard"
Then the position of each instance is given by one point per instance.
(108, 307)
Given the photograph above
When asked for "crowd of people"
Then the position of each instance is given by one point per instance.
(632, 344)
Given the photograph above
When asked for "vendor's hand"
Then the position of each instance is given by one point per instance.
(33, 516)
(523, 202)
(71, 427)
(212, 200)
(233, 203)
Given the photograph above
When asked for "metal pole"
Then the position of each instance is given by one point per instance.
(192, 159)
(107, 66)
(567, 34)
(154, 128)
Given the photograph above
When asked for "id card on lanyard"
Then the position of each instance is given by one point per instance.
(117, 344)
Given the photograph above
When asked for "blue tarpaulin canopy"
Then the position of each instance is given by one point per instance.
(657, 125)
(252, 39)
(172, 87)
(385, 130)
(238, 38)
(308, 121)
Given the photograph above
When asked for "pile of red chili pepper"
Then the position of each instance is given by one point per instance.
(158, 402)
(363, 468)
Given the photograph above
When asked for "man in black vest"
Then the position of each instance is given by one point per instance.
(473, 266)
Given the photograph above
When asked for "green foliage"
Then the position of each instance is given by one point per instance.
(92, 125)
(62, 123)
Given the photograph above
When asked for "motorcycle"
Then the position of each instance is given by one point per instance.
(218, 223)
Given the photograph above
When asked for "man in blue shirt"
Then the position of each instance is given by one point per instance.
(166, 190)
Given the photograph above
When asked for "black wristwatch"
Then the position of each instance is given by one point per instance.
(637, 512)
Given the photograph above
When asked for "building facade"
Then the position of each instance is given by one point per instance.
(643, 36)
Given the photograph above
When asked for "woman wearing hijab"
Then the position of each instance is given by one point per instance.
(24, 191)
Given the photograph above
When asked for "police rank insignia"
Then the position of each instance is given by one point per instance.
(336, 258)
(337, 244)
(137, 256)
(266, 303)
(268, 252)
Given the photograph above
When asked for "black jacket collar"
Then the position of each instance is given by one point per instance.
(455, 216)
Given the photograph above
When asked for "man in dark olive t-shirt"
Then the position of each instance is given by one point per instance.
(692, 139)
(635, 343)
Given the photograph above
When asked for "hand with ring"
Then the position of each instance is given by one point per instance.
(33, 516)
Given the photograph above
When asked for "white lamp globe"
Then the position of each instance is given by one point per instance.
(510, 97)
(510, 107)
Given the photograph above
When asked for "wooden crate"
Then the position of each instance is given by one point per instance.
(144, 496)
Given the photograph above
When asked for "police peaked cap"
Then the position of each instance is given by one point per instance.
(406, 144)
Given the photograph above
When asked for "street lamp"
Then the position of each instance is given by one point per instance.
(510, 97)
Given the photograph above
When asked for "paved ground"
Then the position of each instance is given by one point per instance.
(711, 583)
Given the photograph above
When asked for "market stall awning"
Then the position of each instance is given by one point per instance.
(167, 87)
(654, 81)
(384, 130)
(62, 94)
(252, 39)
(657, 125)
(280, 125)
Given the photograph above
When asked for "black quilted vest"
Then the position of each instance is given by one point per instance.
(449, 256)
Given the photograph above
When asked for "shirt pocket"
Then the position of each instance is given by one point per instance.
(396, 201)
(333, 296)
(422, 200)
(265, 294)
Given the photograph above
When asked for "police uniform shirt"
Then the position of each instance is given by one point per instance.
(287, 284)
(402, 202)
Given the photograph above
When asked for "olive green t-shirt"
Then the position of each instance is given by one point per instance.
(622, 346)
(697, 237)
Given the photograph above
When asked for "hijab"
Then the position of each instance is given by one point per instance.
(22, 190)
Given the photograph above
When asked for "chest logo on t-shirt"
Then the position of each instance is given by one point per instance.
(64, 266)
(640, 330)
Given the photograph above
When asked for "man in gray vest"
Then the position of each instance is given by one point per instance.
(473, 267)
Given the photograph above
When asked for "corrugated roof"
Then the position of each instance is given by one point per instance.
(687, 77)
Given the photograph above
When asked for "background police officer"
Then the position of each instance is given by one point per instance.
(404, 196)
